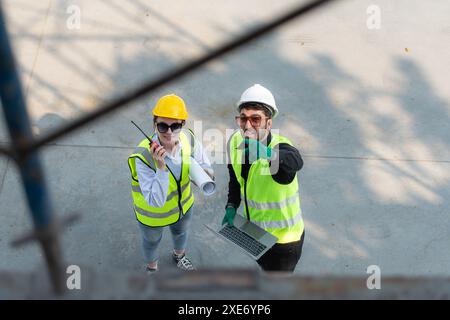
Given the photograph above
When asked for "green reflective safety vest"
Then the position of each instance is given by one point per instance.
(179, 196)
(272, 206)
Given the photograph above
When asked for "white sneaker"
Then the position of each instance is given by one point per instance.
(183, 262)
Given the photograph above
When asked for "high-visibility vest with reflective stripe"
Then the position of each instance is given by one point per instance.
(179, 196)
(272, 206)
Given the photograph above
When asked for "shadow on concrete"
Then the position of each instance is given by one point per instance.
(375, 185)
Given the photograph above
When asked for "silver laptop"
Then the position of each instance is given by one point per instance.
(250, 238)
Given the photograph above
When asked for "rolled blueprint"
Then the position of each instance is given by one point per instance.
(201, 178)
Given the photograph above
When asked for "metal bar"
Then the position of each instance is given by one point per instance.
(6, 152)
(222, 284)
(60, 224)
(176, 74)
(18, 123)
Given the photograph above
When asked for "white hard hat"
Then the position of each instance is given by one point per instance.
(257, 93)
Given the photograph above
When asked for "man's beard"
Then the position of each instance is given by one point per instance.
(261, 133)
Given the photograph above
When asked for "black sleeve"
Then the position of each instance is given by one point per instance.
(234, 189)
(289, 162)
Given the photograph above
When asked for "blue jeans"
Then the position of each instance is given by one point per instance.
(151, 237)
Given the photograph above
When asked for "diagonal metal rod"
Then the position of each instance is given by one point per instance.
(175, 74)
(6, 152)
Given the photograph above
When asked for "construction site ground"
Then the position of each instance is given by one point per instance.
(369, 110)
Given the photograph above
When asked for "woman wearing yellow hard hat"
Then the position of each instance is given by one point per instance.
(161, 188)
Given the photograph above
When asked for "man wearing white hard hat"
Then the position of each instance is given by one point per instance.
(263, 173)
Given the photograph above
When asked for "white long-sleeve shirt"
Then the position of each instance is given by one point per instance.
(155, 185)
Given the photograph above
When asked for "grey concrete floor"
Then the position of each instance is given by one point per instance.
(368, 109)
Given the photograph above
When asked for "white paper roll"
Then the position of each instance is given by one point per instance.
(201, 178)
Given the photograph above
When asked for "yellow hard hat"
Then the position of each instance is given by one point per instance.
(171, 106)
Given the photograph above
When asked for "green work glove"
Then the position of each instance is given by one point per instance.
(229, 216)
(257, 150)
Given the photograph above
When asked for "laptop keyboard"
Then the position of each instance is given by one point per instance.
(243, 240)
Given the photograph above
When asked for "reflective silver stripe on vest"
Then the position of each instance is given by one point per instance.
(187, 199)
(273, 205)
(169, 196)
(146, 154)
(162, 215)
(155, 215)
(281, 224)
(175, 192)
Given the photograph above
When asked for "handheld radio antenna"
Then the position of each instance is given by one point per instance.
(151, 142)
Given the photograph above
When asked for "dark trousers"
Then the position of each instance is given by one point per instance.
(282, 256)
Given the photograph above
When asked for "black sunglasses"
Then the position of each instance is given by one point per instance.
(164, 127)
